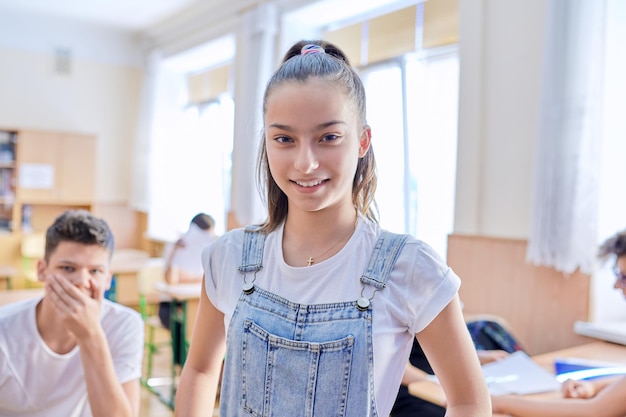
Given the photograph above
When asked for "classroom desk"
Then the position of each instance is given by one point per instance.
(125, 275)
(188, 295)
(600, 351)
(13, 296)
(183, 309)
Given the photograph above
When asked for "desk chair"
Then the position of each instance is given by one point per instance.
(32, 249)
(148, 276)
(7, 273)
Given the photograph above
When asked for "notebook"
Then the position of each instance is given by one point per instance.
(579, 368)
(614, 331)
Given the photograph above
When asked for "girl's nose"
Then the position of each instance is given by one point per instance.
(306, 159)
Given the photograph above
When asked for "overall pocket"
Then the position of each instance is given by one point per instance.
(283, 377)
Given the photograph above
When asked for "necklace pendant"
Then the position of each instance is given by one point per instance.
(310, 261)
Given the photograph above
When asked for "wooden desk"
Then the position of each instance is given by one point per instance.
(600, 351)
(189, 296)
(13, 296)
(183, 309)
(124, 271)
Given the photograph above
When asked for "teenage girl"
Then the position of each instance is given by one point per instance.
(314, 311)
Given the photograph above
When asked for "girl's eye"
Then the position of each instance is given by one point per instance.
(330, 138)
(283, 139)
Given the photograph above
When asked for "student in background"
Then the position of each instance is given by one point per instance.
(183, 264)
(598, 398)
(316, 309)
(71, 353)
(492, 341)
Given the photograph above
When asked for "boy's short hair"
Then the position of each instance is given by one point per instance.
(203, 221)
(78, 226)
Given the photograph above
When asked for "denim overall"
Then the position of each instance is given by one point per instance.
(285, 359)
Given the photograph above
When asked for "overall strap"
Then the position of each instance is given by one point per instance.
(383, 259)
(252, 253)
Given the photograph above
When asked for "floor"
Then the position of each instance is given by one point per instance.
(151, 405)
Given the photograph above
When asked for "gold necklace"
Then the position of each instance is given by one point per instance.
(311, 259)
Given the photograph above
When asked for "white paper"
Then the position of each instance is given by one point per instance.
(36, 176)
(518, 374)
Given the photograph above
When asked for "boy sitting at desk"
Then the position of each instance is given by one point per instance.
(604, 397)
(71, 352)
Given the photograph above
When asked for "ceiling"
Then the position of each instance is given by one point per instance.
(134, 15)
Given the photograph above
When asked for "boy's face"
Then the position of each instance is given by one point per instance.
(620, 272)
(80, 264)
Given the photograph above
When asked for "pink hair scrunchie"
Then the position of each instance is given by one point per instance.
(312, 49)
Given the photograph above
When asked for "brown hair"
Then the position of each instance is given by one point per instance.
(203, 221)
(334, 67)
(615, 245)
(78, 226)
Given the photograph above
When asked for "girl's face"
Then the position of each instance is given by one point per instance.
(314, 140)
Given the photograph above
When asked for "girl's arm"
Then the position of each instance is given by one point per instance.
(197, 389)
(451, 353)
(607, 403)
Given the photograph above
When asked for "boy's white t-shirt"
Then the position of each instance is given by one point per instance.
(418, 288)
(37, 382)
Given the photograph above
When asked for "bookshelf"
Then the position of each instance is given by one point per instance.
(42, 174)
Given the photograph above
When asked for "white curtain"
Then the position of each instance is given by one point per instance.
(256, 60)
(140, 194)
(566, 175)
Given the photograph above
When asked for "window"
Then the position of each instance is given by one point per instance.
(607, 303)
(416, 170)
(191, 143)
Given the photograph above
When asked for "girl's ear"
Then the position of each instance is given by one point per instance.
(364, 141)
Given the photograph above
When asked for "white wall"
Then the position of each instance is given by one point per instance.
(100, 95)
(501, 58)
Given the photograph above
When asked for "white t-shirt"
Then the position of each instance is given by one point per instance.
(188, 257)
(418, 288)
(37, 382)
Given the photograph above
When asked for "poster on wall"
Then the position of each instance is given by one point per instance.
(40, 176)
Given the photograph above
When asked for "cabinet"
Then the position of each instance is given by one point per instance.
(50, 172)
